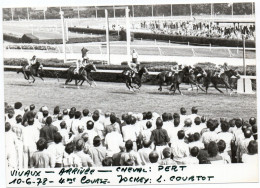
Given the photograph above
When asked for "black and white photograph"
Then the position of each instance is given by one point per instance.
(110, 88)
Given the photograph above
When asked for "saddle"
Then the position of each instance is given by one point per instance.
(80, 70)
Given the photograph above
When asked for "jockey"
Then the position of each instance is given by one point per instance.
(134, 67)
(222, 69)
(31, 62)
(176, 68)
(134, 56)
(79, 64)
(84, 53)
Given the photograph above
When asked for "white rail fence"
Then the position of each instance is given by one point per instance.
(154, 49)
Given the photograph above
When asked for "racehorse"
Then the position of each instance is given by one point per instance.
(195, 76)
(223, 79)
(135, 79)
(34, 71)
(84, 74)
(164, 77)
(178, 78)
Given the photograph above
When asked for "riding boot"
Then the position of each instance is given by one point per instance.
(25, 75)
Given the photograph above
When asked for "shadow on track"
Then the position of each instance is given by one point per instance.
(14, 84)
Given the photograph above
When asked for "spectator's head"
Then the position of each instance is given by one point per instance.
(146, 143)
(128, 145)
(90, 125)
(197, 121)
(176, 122)
(48, 120)
(32, 107)
(69, 148)
(167, 152)
(84, 136)
(19, 119)
(71, 114)
(133, 120)
(95, 117)
(224, 126)
(203, 158)
(183, 111)
(252, 147)
(211, 125)
(31, 121)
(165, 117)
(232, 123)
(194, 151)
(85, 112)
(181, 134)
(176, 115)
(128, 119)
(63, 125)
(96, 141)
(77, 114)
(221, 146)
(153, 157)
(41, 144)
(212, 149)
(190, 138)
(254, 129)
(159, 123)
(149, 115)
(80, 128)
(238, 123)
(56, 110)
(196, 136)
(108, 161)
(65, 112)
(17, 105)
(80, 144)
(107, 114)
(247, 133)
(203, 119)
(73, 109)
(57, 137)
(187, 122)
(60, 116)
(252, 121)
(194, 110)
(144, 115)
(170, 117)
(7, 126)
(45, 113)
(112, 119)
(148, 124)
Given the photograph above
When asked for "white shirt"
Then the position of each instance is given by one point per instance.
(113, 140)
(129, 132)
(198, 144)
(144, 155)
(91, 134)
(30, 136)
(207, 137)
(180, 150)
(99, 128)
(250, 159)
(57, 151)
(227, 137)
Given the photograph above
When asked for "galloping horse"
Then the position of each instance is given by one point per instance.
(84, 74)
(223, 79)
(34, 71)
(195, 76)
(136, 79)
(178, 79)
(164, 77)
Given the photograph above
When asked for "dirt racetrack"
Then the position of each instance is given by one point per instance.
(114, 97)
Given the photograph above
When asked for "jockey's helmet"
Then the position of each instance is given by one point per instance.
(225, 64)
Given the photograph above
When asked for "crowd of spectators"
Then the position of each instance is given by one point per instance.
(71, 138)
(199, 28)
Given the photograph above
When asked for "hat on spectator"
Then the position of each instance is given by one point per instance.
(45, 108)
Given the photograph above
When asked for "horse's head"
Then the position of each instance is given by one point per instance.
(198, 71)
(234, 73)
(143, 70)
(90, 67)
(38, 65)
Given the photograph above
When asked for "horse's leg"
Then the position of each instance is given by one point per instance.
(33, 78)
(130, 84)
(228, 86)
(215, 85)
(178, 87)
(82, 82)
